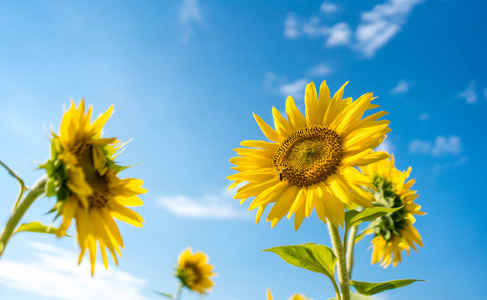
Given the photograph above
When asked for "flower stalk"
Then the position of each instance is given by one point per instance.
(343, 277)
(19, 211)
(178, 292)
(350, 248)
(12, 173)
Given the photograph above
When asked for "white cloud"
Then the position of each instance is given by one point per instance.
(339, 34)
(424, 116)
(320, 70)
(313, 28)
(386, 146)
(189, 14)
(53, 273)
(402, 87)
(220, 206)
(442, 146)
(421, 147)
(291, 26)
(380, 24)
(281, 85)
(328, 7)
(447, 145)
(295, 88)
(375, 29)
(469, 94)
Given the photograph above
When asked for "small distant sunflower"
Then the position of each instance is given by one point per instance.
(299, 297)
(83, 176)
(293, 297)
(194, 271)
(394, 232)
(310, 161)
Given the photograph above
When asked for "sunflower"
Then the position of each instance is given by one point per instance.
(393, 233)
(83, 176)
(194, 271)
(293, 297)
(309, 162)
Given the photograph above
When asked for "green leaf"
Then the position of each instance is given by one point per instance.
(359, 237)
(354, 296)
(371, 288)
(313, 257)
(353, 217)
(36, 227)
(164, 294)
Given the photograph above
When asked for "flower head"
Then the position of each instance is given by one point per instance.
(194, 271)
(394, 232)
(84, 178)
(309, 162)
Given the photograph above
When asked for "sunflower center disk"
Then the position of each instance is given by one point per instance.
(308, 156)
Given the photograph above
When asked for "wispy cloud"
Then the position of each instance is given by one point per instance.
(375, 29)
(339, 34)
(219, 206)
(469, 94)
(54, 274)
(424, 116)
(328, 7)
(281, 85)
(291, 30)
(295, 88)
(485, 93)
(189, 16)
(382, 23)
(386, 146)
(441, 146)
(402, 87)
(321, 69)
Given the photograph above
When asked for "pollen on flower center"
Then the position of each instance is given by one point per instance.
(308, 156)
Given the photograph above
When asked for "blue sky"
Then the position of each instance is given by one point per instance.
(185, 77)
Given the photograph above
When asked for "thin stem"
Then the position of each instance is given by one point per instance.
(23, 188)
(342, 263)
(178, 292)
(337, 291)
(19, 211)
(350, 248)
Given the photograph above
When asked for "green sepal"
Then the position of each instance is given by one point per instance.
(164, 294)
(371, 288)
(354, 296)
(353, 217)
(312, 257)
(36, 227)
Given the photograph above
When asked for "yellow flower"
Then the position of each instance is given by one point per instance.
(310, 161)
(393, 233)
(299, 297)
(83, 176)
(194, 271)
(293, 297)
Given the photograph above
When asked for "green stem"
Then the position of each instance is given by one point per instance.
(178, 292)
(23, 188)
(350, 248)
(18, 211)
(337, 291)
(342, 263)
